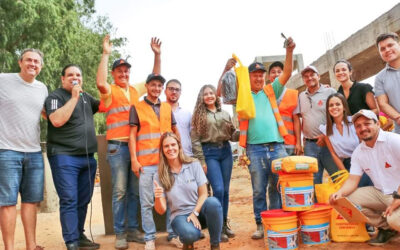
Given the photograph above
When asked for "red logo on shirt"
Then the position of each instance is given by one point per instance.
(387, 165)
(320, 103)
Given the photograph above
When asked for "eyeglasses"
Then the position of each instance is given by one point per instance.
(172, 89)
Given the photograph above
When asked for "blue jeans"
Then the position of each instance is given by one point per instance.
(74, 182)
(261, 157)
(125, 189)
(219, 170)
(146, 195)
(210, 216)
(324, 157)
(20, 172)
(365, 180)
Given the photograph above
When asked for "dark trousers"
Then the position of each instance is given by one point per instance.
(74, 181)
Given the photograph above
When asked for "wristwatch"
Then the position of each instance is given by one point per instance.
(195, 213)
(396, 195)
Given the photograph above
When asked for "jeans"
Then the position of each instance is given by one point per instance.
(146, 195)
(365, 180)
(261, 157)
(219, 170)
(210, 216)
(324, 157)
(125, 189)
(20, 172)
(73, 178)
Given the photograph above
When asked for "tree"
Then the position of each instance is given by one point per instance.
(65, 30)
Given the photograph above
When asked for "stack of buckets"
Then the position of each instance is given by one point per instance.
(298, 213)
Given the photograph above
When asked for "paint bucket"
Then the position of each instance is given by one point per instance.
(297, 191)
(315, 224)
(280, 229)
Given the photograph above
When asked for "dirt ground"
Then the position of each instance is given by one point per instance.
(240, 212)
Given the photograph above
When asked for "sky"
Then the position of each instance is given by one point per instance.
(198, 37)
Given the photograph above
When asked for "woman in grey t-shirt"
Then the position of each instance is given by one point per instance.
(181, 184)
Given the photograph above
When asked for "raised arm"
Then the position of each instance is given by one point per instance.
(229, 64)
(288, 67)
(101, 79)
(156, 48)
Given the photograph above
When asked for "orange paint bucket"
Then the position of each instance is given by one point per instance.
(297, 191)
(280, 229)
(315, 224)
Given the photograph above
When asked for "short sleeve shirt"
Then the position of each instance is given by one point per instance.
(312, 108)
(387, 82)
(183, 121)
(265, 119)
(381, 162)
(183, 196)
(357, 96)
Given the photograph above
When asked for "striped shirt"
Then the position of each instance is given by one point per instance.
(21, 104)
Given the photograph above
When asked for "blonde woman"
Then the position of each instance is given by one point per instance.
(181, 183)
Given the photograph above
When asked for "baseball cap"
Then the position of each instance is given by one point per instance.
(366, 113)
(155, 77)
(256, 66)
(308, 68)
(120, 62)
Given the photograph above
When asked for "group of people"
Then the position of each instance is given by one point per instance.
(161, 156)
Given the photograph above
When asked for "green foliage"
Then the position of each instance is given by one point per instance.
(65, 30)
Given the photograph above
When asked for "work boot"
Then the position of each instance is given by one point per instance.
(135, 236)
(383, 237)
(187, 246)
(214, 247)
(226, 228)
(72, 246)
(259, 233)
(85, 244)
(120, 241)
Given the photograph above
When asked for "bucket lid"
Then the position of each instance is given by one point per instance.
(318, 207)
(277, 213)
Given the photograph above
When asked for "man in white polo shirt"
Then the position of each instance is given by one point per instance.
(378, 156)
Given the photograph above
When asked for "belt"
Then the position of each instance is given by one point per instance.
(214, 144)
(313, 140)
(125, 143)
(267, 144)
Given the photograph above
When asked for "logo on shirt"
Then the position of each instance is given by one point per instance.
(320, 103)
(387, 165)
(54, 104)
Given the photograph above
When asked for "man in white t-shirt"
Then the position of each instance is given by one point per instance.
(21, 163)
(378, 156)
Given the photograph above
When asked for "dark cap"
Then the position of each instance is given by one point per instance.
(120, 62)
(256, 66)
(309, 68)
(153, 76)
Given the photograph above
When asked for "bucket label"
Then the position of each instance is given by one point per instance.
(278, 240)
(299, 196)
(302, 166)
(315, 234)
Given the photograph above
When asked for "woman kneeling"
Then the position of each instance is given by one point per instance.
(181, 181)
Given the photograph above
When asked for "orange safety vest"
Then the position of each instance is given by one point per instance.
(118, 112)
(286, 107)
(244, 124)
(151, 129)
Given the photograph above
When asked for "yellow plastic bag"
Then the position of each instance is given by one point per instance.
(343, 231)
(324, 190)
(244, 105)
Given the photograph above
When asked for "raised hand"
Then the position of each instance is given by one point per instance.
(290, 44)
(158, 190)
(107, 45)
(155, 45)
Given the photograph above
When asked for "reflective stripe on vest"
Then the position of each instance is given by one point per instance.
(147, 152)
(117, 125)
(118, 110)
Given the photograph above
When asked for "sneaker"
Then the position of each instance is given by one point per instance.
(187, 246)
(259, 233)
(214, 247)
(383, 237)
(150, 245)
(175, 241)
(135, 236)
(72, 246)
(224, 237)
(85, 244)
(120, 241)
(226, 228)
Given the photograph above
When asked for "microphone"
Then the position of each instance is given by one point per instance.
(75, 82)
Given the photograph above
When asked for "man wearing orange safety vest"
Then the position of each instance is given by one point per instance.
(263, 136)
(287, 103)
(116, 100)
(149, 119)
